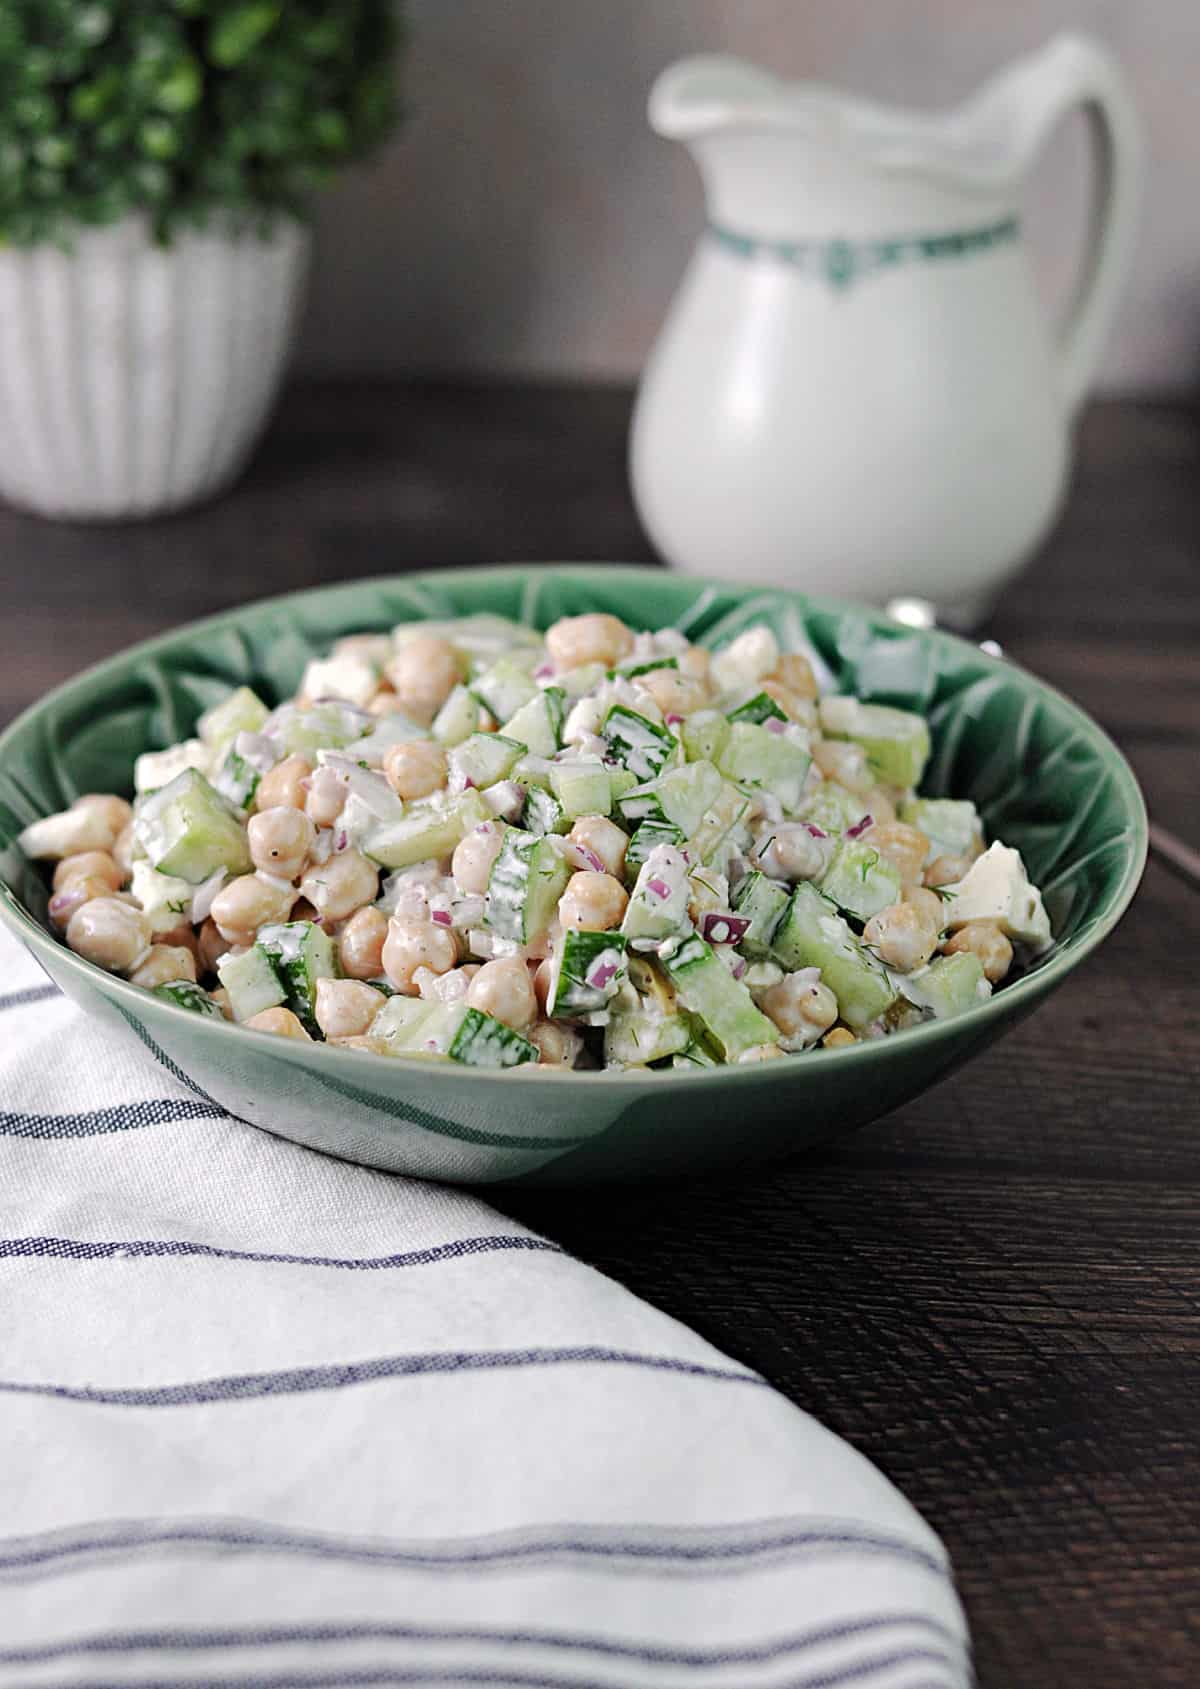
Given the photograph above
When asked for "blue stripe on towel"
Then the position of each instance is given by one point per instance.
(75, 1249)
(31, 994)
(121, 1117)
(273, 1636)
(241, 1387)
(620, 1548)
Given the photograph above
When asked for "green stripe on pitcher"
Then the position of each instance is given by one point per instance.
(839, 262)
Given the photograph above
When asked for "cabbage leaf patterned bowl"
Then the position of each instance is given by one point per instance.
(1044, 776)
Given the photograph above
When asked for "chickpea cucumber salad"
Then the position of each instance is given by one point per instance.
(467, 841)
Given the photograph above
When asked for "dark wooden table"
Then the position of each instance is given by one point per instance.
(994, 1293)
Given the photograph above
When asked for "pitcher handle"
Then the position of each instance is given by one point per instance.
(1077, 70)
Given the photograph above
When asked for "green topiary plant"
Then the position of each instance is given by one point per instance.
(183, 108)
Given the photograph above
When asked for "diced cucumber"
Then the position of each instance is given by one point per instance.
(579, 682)
(412, 1026)
(485, 758)
(166, 900)
(832, 808)
(639, 745)
(859, 880)
(645, 838)
(813, 935)
(252, 981)
(620, 780)
(458, 717)
(187, 829)
(587, 972)
(762, 902)
(527, 880)
(705, 735)
(582, 787)
(631, 667)
(304, 732)
(896, 741)
(538, 724)
(533, 771)
(721, 1004)
(951, 825)
(243, 711)
(185, 994)
(644, 1028)
(680, 795)
(772, 762)
(948, 984)
(484, 1041)
(697, 1054)
(723, 830)
(758, 708)
(425, 831)
(505, 686)
(658, 904)
(303, 953)
(543, 813)
(155, 769)
(392, 730)
(237, 780)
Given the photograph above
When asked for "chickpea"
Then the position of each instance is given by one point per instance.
(115, 813)
(903, 846)
(786, 850)
(473, 856)
(879, 804)
(946, 870)
(346, 1007)
(283, 785)
(325, 798)
(695, 662)
(845, 762)
(796, 673)
(592, 902)
(543, 981)
(558, 1045)
(674, 693)
(73, 894)
(211, 945)
(415, 768)
(424, 672)
(503, 988)
(800, 1008)
(594, 638)
(162, 964)
(928, 903)
(109, 933)
(839, 1038)
(791, 703)
(759, 1053)
(602, 839)
(221, 998)
(247, 903)
(88, 864)
(385, 702)
(280, 840)
(360, 944)
(122, 852)
(340, 886)
(985, 940)
(282, 1022)
(901, 936)
(413, 944)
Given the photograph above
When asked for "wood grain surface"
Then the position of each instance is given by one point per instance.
(995, 1292)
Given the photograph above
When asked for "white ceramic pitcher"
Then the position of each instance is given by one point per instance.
(856, 389)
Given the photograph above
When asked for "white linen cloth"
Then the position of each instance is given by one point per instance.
(269, 1419)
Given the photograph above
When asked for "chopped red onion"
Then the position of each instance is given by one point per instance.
(721, 928)
(816, 831)
(660, 888)
(442, 917)
(738, 968)
(860, 827)
(341, 840)
(774, 725)
(543, 671)
(483, 826)
(580, 856)
(673, 720)
(600, 972)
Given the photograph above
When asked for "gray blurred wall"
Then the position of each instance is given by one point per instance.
(526, 221)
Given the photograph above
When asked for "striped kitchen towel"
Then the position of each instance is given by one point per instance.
(268, 1419)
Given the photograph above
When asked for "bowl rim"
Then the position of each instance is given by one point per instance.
(1022, 993)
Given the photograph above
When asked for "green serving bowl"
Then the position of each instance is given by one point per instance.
(1044, 776)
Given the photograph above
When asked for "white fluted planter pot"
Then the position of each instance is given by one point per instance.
(136, 378)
